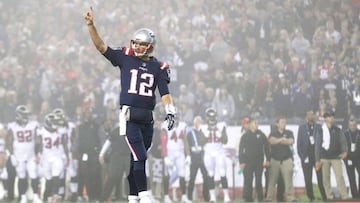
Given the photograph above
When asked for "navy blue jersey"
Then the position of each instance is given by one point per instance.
(139, 78)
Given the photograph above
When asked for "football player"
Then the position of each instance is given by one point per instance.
(214, 153)
(21, 145)
(175, 159)
(3, 158)
(51, 143)
(69, 128)
(141, 74)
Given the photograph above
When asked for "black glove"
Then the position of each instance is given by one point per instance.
(170, 111)
(170, 118)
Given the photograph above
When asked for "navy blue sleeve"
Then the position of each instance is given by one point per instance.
(164, 79)
(163, 88)
(115, 56)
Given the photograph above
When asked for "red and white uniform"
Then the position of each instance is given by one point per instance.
(214, 152)
(53, 156)
(175, 149)
(24, 159)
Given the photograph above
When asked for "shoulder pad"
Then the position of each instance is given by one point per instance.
(39, 130)
(9, 125)
(127, 51)
(221, 125)
(164, 65)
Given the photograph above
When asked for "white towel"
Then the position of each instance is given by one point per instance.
(326, 137)
(124, 115)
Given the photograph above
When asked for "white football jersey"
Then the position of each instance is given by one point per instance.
(67, 132)
(175, 138)
(51, 142)
(24, 139)
(213, 137)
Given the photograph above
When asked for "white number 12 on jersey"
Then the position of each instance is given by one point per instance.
(144, 87)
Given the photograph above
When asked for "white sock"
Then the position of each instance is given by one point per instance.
(212, 195)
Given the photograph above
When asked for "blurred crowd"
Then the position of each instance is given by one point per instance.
(256, 58)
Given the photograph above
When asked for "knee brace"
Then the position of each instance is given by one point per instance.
(224, 182)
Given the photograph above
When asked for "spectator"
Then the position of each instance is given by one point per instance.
(325, 67)
(355, 96)
(300, 44)
(331, 34)
(282, 97)
(186, 101)
(223, 103)
(259, 24)
(303, 100)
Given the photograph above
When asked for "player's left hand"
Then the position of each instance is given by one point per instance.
(170, 119)
(170, 116)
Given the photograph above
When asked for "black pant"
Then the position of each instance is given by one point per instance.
(119, 165)
(197, 163)
(350, 169)
(250, 170)
(11, 179)
(307, 170)
(90, 177)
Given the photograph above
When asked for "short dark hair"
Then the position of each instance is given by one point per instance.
(279, 118)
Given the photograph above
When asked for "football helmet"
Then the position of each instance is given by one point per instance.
(60, 116)
(50, 121)
(211, 116)
(143, 42)
(22, 114)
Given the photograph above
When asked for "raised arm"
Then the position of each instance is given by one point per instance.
(95, 37)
